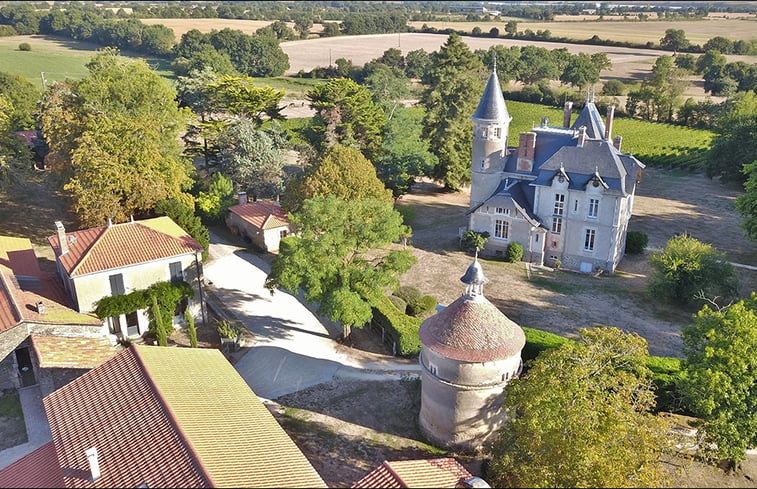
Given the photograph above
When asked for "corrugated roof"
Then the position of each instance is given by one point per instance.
(104, 248)
(492, 105)
(440, 472)
(72, 351)
(472, 329)
(261, 214)
(191, 420)
(38, 469)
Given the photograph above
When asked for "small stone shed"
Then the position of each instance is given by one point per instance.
(264, 223)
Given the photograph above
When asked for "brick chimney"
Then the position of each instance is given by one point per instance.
(526, 149)
(62, 240)
(242, 198)
(566, 114)
(581, 136)
(617, 141)
(608, 122)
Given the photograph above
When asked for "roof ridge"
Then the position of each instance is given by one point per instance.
(86, 254)
(395, 474)
(11, 297)
(172, 417)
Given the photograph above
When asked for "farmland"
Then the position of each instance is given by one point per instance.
(181, 26)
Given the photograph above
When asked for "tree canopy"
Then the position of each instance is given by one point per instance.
(454, 88)
(675, 40)
(720, 380)
(23, 97)
(581, 417)
(340, 255)
(115, 133)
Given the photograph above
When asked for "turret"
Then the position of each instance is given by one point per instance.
(491, 121)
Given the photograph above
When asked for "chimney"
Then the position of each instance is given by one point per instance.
(242, 198)
(581, 136)
(526, 149)
(110, 222)
(94, 463)
(608, 122)
(566, 114)
(41, 309)
(616, 142)
(62, 240)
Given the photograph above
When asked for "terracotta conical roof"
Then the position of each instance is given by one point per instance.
(492, 105)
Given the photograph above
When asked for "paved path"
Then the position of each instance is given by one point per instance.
(292, 349)
(37, 428)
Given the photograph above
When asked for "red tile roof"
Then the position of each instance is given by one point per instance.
(72, 351)
(38, 469)
(261, 214)
(440, 472)
(472, 329)
(23, 285)
(172, 417)
(120, 245)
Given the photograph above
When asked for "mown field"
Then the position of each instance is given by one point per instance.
(181, 26)
(57, 58)
(697, 31)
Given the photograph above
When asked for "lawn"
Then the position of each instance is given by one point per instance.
(293, 87)
(12, 426)
(58, 58)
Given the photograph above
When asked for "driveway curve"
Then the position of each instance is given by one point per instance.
(292, 349)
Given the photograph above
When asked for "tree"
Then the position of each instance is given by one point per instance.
(389, 86)
(720, 44)
(182, 213)
(303, 24)
(667, 84)
(511, 28)
(252, 159)
(720, 380)
(342, 172)
(686, 268)
(417, 63)
(536, 64)
(674, 40)
(206, 57)
(214, 203)
(454, 88)
(340, 255)
(581, 418)
(736, 142)
(238, 95)
(278, 30)
(405, 154)
(346, 115)
(580, 72)
(23, 97)
(191, 328)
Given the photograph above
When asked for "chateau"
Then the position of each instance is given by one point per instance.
(565, 193)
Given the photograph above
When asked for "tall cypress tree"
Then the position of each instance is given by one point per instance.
(455, 85)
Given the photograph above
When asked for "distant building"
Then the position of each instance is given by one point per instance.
(262, 222)
(565, 193)
(470, 352)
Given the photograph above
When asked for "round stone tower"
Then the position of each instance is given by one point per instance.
(470, 352)
(491, 122)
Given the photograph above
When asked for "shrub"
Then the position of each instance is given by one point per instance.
(24, 46)
(399, 303)
(191, 328)
(473, 240)
(409, 294)
(614, 88)
(402, 328)
(514, 252)
(636, 241)
(687, 267)
(227, 329)
(422, 306)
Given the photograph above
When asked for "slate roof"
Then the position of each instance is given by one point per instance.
(472, 329)
(72, 351)
(38, 469)
(440, 472)
(261, 214)
(171, 417)
(120, 245)
(516, 193)
(589, 117)
(492, 106)
(548, 141)
(23, 284)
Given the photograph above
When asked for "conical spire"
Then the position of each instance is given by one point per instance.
(474, 278)
(492, 105)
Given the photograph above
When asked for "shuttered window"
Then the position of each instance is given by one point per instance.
(177, 274)
(117, 284)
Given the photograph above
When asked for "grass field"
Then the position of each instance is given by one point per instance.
(57, 58)
(697, 31)
(293, 87)
(181, 26)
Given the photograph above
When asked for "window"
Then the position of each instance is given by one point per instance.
(177, 274)
(502, 210)
(575, 205)
(536, 238)
(497, 132)
(593, 207)
(117, 284)
(501, 229)
(484, 133)
(589, 239)
(559, 204)
(557, 225)
(283, 233)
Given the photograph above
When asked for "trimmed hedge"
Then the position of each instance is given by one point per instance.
(408, 293)
(402, 328)
(514, 252)
(422, 306)
(399, 303)
(636, 241)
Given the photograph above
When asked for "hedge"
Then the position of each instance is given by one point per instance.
(422, 306)
(402, 328)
